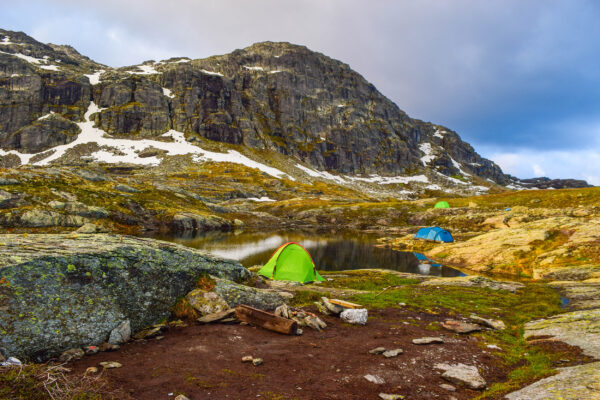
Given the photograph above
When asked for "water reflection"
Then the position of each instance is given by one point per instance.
(331, 252)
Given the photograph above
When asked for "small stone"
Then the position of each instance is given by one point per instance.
(181, 397)
(333, 308)
(374, 379)
(283, 311)
(447, 387)
(356, 316)
(299, 331)
(494, 347)
(121, 334)
(491, 323)
(247, 359)
(91, 370)
(147, 333)
(72, 354)
(460, 326)
(110, 364)
(257, 361)
(215, 317)
(387, 396)
(461, 374)
(159, 338)
(12, 361)
(392, 353)
(428, 340)
(377, 350)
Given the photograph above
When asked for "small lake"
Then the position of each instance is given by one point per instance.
(330, 252)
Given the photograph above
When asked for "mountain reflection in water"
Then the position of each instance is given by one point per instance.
(331, 252)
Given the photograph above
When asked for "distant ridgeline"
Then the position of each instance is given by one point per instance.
(305, 115)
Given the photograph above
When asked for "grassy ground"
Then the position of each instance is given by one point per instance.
(526, 362)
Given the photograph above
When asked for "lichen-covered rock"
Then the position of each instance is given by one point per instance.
(189, 222)
(63, 291)
(581, 382)
(206, 302)
(43, 134)
(577, 328)
(235, 294)
(461, 374)
(121, 334)
(41, 218)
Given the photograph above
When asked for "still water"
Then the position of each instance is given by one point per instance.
(330, 252)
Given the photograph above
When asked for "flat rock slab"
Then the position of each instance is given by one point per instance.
(460, 326)
(428, 340)
(577, 328)
(218, 316)
(475, 281)
(581, 382)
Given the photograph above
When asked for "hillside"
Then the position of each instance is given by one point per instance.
(302, 114)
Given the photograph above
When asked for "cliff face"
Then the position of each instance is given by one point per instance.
(269, 96)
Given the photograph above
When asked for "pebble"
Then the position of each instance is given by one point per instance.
(181, 397)
(91, 370)
(387, 396)
(257, 361)
(460, 326)
(11, 361)
(247, 359)
(428, 340)
(377, 350)
(110, 364)
(392, 353)
(299, 331)
(374, 379)
(447, 387)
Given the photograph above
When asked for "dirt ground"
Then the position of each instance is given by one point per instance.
(204, 361)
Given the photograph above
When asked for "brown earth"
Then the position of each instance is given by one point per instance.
(204, 361)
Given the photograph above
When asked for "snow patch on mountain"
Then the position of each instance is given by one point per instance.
(126, 150)
(426, 149)
(95, 77)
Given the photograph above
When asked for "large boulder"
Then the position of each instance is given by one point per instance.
(59, 292)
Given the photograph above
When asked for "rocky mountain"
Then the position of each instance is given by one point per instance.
(264, 101)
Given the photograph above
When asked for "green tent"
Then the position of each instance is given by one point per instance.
(291, 262)
(442, 204)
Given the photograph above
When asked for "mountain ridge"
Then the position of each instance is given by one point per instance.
(271, 96)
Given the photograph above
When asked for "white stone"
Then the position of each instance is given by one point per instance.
(355, 316)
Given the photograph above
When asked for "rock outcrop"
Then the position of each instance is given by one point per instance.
(270, 96)
(581, 382)
(67, 291)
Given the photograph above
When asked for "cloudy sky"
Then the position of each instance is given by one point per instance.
(519, 80)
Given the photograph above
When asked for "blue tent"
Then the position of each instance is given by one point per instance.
(434, 233)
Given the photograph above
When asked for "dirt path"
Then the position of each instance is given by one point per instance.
(204, 362)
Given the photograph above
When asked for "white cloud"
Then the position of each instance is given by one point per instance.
(538, 171)
(578, 164)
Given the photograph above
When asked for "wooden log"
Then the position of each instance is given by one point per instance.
(266, 320)
(345, 304)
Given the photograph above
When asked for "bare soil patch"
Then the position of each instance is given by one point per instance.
(204, 361)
